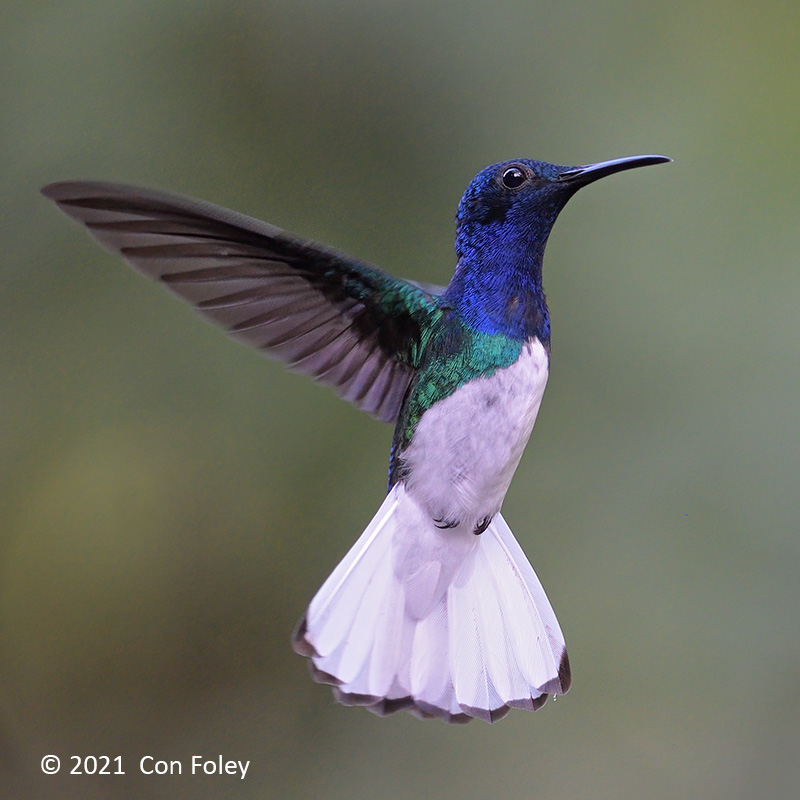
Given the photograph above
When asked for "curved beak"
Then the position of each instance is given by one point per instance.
(581, 176)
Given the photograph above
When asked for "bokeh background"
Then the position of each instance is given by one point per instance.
(170, 501)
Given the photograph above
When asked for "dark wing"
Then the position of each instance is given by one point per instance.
(346, 323)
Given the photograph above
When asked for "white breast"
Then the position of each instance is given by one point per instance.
(465, 449)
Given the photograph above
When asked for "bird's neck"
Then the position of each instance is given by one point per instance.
(497, 285)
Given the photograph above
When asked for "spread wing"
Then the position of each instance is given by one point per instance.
(347, 324)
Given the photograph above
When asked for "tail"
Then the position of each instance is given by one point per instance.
(442, 623)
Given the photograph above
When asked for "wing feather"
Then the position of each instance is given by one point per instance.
(345, 323)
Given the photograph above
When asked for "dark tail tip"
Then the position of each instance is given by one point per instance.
(300, 644)
(564, 673)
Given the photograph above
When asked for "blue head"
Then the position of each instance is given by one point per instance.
(503, 222)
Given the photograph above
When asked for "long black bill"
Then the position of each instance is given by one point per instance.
(592, 172)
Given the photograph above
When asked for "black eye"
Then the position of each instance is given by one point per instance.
(513, 178)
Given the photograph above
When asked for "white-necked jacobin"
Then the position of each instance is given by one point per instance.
(435, 609)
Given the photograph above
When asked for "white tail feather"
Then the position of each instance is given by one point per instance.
(440, 622)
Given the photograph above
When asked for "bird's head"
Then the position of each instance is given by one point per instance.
(503, 220)
(516, 202)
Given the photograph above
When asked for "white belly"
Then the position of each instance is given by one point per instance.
(465, 449)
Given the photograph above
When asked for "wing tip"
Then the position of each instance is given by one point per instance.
(51, 190)
(63, 191)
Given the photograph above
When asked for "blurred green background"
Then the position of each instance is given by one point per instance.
(170, 501)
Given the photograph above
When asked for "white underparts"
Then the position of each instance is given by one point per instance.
(466, 448)
(436, 619)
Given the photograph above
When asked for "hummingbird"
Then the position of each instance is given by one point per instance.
(435, 609)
